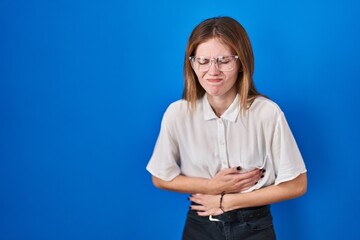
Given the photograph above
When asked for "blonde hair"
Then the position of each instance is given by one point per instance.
(232, 34)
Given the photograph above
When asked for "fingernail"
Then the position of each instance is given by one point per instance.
(263, 170)
(238, 168)
(262, 176)
(256, 183)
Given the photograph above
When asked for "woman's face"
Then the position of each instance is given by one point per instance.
(215, 82)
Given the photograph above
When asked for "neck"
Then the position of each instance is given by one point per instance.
(221, 104)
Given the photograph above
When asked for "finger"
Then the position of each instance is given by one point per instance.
(248, 175)
(241, 182)
(197, 208)
(196, 195)
(253, 172)
(196, 198)
(232, 170)
(247, 183)
(242, 188)
(213, 212)
(203, 213)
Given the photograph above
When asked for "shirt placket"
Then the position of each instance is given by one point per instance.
(222, 143)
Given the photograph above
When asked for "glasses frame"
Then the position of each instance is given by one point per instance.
(211, 60)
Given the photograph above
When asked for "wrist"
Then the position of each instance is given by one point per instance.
(210, 187)
(221, 206)
(226, 203)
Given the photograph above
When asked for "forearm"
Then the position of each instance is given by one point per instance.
(267, 195)
(228, 180)
(185, 184)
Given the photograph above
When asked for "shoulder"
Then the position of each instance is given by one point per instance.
(264, 107)
(176, 109)
(263, 102)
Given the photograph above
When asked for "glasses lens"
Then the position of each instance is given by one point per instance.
(225, 63)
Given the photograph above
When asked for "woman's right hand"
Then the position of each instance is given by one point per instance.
(231, 180)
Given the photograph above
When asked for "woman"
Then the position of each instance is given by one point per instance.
(224, 143)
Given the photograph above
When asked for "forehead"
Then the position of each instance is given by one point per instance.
(212, 48)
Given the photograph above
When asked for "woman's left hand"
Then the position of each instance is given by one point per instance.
(208, 204)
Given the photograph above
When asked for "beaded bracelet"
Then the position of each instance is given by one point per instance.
(221, 199)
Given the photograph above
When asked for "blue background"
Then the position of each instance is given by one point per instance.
(84, 84)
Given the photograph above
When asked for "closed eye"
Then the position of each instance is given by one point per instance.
(203, 61)
(224, 60)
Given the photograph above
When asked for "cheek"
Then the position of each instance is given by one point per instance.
(200, 76)
(231, 78)
(236, 75)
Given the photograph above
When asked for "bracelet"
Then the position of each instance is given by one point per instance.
(221, 199)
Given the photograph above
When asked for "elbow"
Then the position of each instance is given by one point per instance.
(301, 190)
(158, 182)
(301, 186)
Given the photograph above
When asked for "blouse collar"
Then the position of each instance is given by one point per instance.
(230, 114)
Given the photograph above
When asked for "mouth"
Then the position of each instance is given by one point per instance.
(214, 80)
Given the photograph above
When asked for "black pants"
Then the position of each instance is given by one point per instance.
(242, 224)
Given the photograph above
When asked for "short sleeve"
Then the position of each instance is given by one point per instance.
(286, 156)
(164, 162)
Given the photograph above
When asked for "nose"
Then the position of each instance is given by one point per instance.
(213, 69)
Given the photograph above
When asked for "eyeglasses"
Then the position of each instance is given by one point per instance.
(223, 63)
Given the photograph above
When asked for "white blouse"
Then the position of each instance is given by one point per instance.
(200, 144)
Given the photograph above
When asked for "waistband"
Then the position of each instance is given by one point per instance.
(242, 215)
